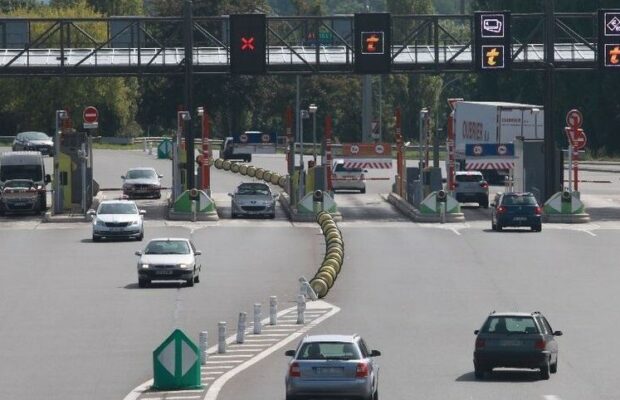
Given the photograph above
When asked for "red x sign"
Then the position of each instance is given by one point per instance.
(247, 44)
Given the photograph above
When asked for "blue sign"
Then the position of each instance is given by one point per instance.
(490, 150)
(255, 137)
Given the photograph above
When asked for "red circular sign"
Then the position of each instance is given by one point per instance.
(243, 138)
(580, 140)
(265, 138)
(574, 118)
(90, 115)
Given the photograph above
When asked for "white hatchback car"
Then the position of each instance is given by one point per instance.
(117, 218)
(348, 178)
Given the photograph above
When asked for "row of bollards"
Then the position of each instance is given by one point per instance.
(251, 171)
(334, 255)
(242, 325)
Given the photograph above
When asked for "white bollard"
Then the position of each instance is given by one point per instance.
(204, 345)
(306, 290)
(301, 307)
(273, 310)
(144, 147)
(241, 327)
(221, 337)
(257, 317)
(150, 148)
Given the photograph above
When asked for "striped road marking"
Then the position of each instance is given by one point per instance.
(220, 368)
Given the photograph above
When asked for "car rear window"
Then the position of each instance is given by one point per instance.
(519, 200)
(469, 178)
(509, 324)
(342, 168)
(329, 351)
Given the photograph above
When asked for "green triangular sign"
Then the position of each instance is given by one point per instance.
(176, 363)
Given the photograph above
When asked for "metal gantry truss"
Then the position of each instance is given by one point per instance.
(119, 46)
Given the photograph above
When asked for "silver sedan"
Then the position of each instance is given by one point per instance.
(117, 218)
(253, 199)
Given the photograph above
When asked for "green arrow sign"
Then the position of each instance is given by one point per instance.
(176, 364)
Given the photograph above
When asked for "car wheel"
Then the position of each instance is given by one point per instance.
(289, 397)
(233, 215)
(140, 237)
(272, 216)
(96, 238)
(190, 282)
(545, 371)
(363, 190)
(554, 367)
(478, 373)
(484, 204)
(493, 226)
(249, 158)
(197, 279)
(143, 283)
(158, 196)
(376, 395)
(499, 226)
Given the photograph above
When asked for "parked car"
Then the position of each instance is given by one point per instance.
(34, 141)
(228, 151)
(19, 196)
(516, 340)
(470, 186)
(253, 199)
(516, 209)
(117, 218)
(27, 165)
(348, 178)
(169, 259)
(142, 182)
(332, 366)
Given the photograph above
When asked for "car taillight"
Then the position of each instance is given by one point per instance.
(479, 343)
(362, 370)
(294, 371)
(501, 209)
(484, 185)
(538, 210)
(540, 344)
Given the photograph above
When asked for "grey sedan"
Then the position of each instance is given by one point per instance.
(328, 366)
(117, 218)
(169, 259)
(142, 182)
(253, 198)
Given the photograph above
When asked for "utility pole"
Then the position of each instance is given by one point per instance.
(189, 92)
(551, 185)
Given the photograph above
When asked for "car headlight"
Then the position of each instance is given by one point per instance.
(99, 222)
(133, 223)
(183, 266)
(144, 266)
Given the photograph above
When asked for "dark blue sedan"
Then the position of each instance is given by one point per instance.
(516, 209)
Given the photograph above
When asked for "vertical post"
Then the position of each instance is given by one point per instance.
(399, 153)
(189, 90)
(257, 315)
(301, 308)
(203, 342)
(576, 169)
(273, 310)
(314, 136)
(302, 190)
(241, 327)
(56, 184)
(83, 158)
(221, 337)
(290, 143)
(328, 152)
(450, 146)
(549, 140)
(427, 132)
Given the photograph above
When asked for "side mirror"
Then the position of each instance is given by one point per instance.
(198, 252)
(138, 253)
(365, 171)
(492, 204)
(142, 212)
(375, 353)
(230, 194)
(557, 333)
(48, 178)
(122, 176)
(91, 212)
(276, 195)
(289, 353)
(476, 332)
(160, 176)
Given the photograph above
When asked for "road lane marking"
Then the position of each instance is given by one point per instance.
(229, 365)
(551, 397)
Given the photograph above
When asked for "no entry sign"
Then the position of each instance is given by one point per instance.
(90, 115)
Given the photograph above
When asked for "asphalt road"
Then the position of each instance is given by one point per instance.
(75, 326)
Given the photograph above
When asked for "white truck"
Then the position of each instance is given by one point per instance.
(485, 132)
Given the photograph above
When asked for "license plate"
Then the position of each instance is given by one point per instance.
(329, 371)
(19, 204)
(510, 343)
(116, 229)
(520, 219)
(164, 272)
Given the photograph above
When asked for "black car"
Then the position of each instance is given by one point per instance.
(516, 340)
(34, 141)
(516, 209)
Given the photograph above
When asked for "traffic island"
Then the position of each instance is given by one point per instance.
(430, 208)
(566, 208)
(193, 205)
(304, 212)
(49, 217)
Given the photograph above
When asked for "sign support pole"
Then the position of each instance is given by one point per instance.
(328, 152)
(399, 154)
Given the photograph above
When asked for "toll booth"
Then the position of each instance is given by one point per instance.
(75, 173)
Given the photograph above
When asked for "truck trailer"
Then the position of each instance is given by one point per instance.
(485, 133)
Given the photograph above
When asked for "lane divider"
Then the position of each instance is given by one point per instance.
(331, 266)
(266, 175)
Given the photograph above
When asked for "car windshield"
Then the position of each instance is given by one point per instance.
(19, 183)
(509, 325)
(253, 189)
(329, 351)
(117, 208)
(519, 200)
(35, 136)
(469, 178)
(141, 174)
(167, 247)
(341, 168)
(32, 172)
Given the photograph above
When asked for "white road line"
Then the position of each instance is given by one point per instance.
(217, 385)
(220, 367)
(238, 350)
(212, 372)
(279, 330)
(260, 340)
(221, 362)
(271, 334)
(209, 378)
(455, 231)
(231, 356)
(551, 397)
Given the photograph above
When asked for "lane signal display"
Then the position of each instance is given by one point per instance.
(492, 41)
(248, 44)
(373, 53)
(609, 39)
